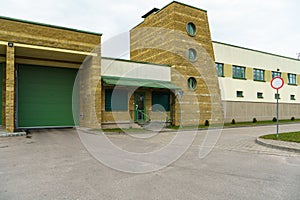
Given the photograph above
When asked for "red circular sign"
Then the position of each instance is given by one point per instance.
(277, 83)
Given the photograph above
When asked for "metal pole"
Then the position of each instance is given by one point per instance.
(277, 126)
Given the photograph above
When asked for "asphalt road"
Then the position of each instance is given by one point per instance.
(54, 164)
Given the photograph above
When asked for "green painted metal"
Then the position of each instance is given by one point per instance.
(1, 78)
(140, 107)
(45, 96)
(109, 80)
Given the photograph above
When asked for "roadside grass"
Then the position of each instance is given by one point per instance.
(289, 137)
(237, 124)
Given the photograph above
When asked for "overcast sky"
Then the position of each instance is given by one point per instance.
(266, 25)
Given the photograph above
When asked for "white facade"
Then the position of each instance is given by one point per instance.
(136, 70)
(251, 59)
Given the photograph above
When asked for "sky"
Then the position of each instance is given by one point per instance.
(266, 25)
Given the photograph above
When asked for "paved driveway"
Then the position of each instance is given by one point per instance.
(54, 164)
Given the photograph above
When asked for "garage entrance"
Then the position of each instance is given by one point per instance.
(45, 96)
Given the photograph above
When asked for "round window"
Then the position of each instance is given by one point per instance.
(192, 54)
(191, 29)
(192, 83)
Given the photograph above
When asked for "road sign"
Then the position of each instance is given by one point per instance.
(277, 83)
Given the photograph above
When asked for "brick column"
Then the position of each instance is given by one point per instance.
(10, 90)
(90, 91)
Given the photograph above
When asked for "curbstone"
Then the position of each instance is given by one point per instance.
(274, 145)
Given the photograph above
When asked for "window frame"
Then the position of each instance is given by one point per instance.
(276, 72)
(239, 94)
(258, 96)
(192, 83)
(276, 96)
(218, 67)
(294, 79)
(239, 68)
(258, 72)
(156, 93)
(108, 101)
(293, 97)
(191, 26)
(192, 51)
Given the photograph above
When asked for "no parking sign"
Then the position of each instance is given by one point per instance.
(277, 83)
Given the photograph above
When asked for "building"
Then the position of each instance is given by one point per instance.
(55, 77)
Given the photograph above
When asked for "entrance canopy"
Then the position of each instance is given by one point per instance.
(120, 81)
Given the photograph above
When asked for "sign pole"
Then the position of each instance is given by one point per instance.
(277, 83)
(277, 110)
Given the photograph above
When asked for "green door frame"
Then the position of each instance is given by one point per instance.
(139, 115)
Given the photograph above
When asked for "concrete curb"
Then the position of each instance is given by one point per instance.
(4, 134)
(286, 146)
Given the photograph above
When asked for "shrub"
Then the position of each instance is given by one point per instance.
(254, 120)
(233, 121)
(206, 123)
(274, 119)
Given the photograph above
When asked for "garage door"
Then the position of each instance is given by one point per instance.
(1, 78)
(45, 96)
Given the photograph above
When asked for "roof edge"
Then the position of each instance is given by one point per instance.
(49, 25)
(259, 51)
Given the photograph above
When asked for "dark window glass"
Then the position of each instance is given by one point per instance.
(116, 100)
(162, 99)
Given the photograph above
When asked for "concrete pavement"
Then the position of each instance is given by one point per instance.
(54, 164)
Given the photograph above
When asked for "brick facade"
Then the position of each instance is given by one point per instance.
(162, 38)
(42, 44)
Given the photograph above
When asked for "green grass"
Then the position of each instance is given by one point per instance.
(124, 130)
(289, 137)
(259, 123)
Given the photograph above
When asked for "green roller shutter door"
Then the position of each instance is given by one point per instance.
(45, 96)
(1, 78)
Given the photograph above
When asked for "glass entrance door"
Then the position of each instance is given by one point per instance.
(139, 107)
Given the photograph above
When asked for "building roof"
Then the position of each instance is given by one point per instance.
(264, 52)
(49, 25)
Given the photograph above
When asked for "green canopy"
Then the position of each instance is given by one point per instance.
(121, 81)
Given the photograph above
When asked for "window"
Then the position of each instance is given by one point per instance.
(191, 29)
(260, 95)
(116, 100)
(258, 75)
(192, 83)
(292, 79)
(239, 94)
(160, 101)
(192, 54)
(275, 74)
(277, 96)
(293, 97)
(238, 72)
(220, 67)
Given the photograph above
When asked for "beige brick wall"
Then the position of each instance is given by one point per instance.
(34, 34)
(10, 90)
(27, 34)
(169, 45)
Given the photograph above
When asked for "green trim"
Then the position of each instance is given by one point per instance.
(131, 82)
(142, 111)
(134, 61)
(49, 25)
(231, 45)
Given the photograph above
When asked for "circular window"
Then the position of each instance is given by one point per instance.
(192, 54)
(192, 83)
(191, 29)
